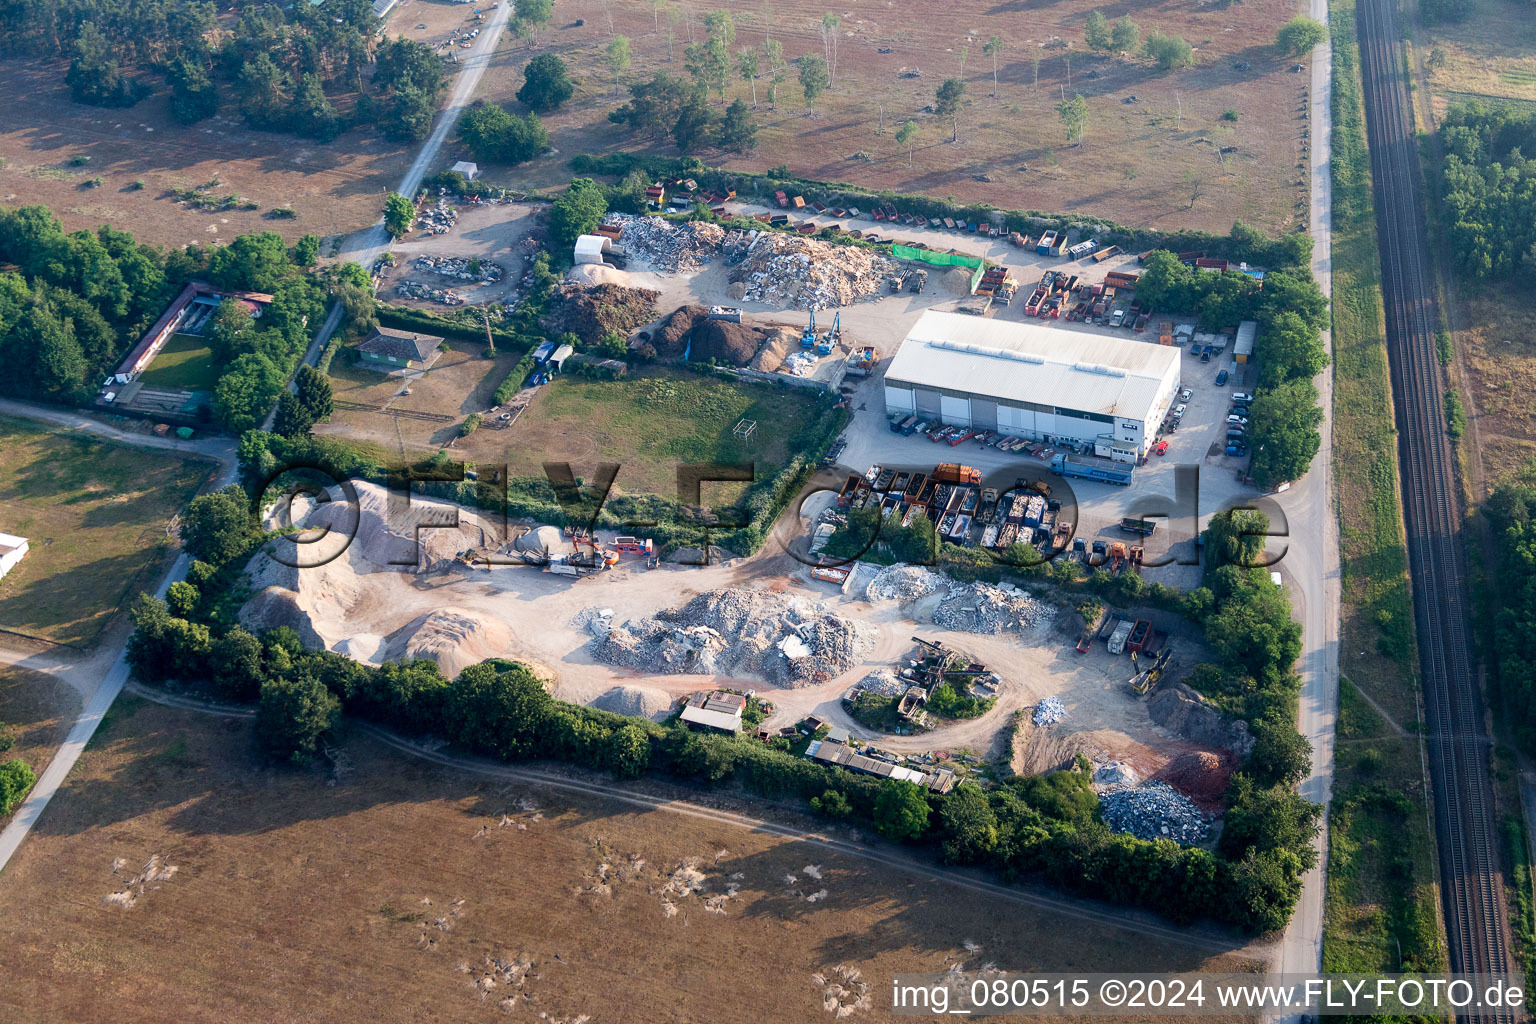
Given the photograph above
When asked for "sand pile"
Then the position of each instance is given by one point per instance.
(452, 637)
(636, 701)
(1200, 775)
(787, 641)
(1184, 712)
(956, 281)
(778, 343)
(591, 313)
(324, 601)
(596, 273)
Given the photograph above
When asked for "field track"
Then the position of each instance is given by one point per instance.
(1471, 886)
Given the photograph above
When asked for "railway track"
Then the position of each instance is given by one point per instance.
(1471, 887)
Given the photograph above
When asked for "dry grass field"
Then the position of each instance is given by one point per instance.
(370, 407)
(1490, 57)
(335, 188)
(1141, 163)
(96, 515)
(36, 711)
(384, 895)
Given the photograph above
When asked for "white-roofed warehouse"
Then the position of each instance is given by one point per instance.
(1034, 380)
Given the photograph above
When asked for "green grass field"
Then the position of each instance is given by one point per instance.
(651, 423)
(185, 362)
(95, 515)
(1381, 898)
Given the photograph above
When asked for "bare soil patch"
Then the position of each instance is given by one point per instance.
(392, 893)
(334, 188)
(37, 711)
(1140, 164)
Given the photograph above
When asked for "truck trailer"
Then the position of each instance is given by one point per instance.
(1092, 468)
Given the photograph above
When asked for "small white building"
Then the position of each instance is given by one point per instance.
(469, 170)
(12, 550)
(590, 249)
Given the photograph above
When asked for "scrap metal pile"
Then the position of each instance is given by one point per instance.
(806, 273)
(464, 268)
(1154, 811)
(786, 641)
(674, 248)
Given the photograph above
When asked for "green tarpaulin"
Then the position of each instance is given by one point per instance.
(938, 259)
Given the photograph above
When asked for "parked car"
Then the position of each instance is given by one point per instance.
(1205, 356)
(1179, 411)
(1186, 395)
(1241, 396)
(1234, 418)
(1221, 378)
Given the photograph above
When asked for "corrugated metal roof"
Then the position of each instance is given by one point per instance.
(1246, 332)
(714, 719)
(1025, 362)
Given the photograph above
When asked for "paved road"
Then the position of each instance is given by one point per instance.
(96, 703)
(1312, 565)
(368, 245)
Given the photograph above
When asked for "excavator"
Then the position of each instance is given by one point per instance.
(1143, 681)
(808, 336)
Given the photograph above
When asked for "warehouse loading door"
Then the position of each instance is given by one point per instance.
(928, 403)
(983, 414)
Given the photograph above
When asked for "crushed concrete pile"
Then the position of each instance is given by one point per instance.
(1049, 711)
(673, 248)
(1199, 774)
(1185, 713)
(884, 683)
(786, 641)
(1113, 777)
(597, 621)
(902, 582)
(592, 313)
(636, 701)
(806, 273)
(452, 637)
(982, 608)
(1154, 811)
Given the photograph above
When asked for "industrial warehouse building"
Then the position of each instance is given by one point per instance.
(1034, 380)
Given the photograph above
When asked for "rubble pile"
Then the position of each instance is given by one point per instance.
(438, 219)
(597, 621)
(804, 273)
(465, 268)
(592, 313)
(1187, 714)
(674, 248)
(1049, 711)
(1114, 776)
(982, 608)
(416, 290)
(884, 683)
(902, 582)
(788, 642)
(1154, 811)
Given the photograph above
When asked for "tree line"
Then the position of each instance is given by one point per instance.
(1488, 188)
(284, 67)
(1044, 826)
(1511, 597)
(1292, 313)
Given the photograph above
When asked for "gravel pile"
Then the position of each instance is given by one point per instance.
(788, 642)
(905, 583)
(981, 608)
(635, 701)
(1114, 776)
(1154, 811)
(1049, 711)
(804, 273)
(674, 248)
